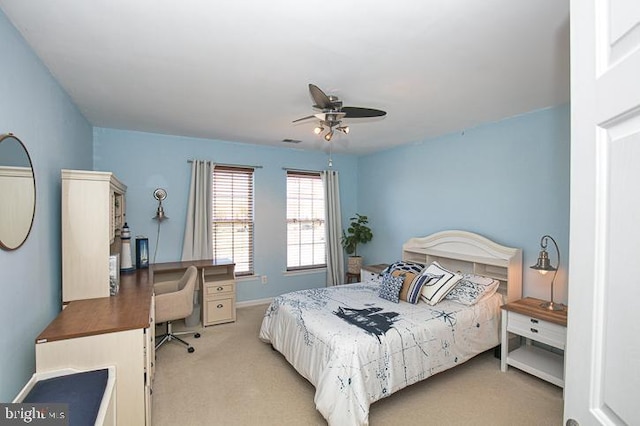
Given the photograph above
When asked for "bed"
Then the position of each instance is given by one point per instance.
(356, 347)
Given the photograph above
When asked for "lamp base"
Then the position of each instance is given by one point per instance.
(551, 306)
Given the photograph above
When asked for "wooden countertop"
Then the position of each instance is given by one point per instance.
(182, 265)
(169, 266)
(530, 306)
(376, 269)
(129, 309)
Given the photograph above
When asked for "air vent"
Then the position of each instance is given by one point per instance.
(291, 141)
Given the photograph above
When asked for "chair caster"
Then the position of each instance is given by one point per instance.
(190, 349)
(197, 335)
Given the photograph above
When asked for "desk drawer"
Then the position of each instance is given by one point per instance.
(220, 310)
(221, 287)
(542, 331)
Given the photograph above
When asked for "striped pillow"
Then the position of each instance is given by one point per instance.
(412, 289)
(408, 271)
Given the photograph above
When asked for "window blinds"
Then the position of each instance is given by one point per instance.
(306, 245)
(233, 219)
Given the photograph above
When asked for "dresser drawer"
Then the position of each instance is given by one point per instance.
(370, 274)
(212, 289)
(369, 277)
(542, 331)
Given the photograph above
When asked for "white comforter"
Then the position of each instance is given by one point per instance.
(357, 348)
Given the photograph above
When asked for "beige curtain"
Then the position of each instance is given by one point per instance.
(197, 233)
(335, 257)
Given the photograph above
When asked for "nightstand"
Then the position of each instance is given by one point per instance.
(526, 319)
(370, 274)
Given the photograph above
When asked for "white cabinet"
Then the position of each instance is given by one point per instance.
(370, 274)
(525, 318)
(219, 295)
(93, 211)
(118, 331)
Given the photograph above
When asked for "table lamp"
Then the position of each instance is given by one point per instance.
(543, 266)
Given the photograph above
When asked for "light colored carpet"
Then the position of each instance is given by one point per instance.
(235, 379)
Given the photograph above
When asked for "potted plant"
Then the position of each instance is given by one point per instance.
(357, 233)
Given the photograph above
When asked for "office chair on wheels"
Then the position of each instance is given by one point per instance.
(174, 301)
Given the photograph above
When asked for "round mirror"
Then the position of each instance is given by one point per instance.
(17, 192)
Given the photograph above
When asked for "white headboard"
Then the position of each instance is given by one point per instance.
(470, 253)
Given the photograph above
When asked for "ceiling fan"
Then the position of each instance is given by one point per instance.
(332, 112)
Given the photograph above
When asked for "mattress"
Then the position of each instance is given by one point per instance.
(357, 348)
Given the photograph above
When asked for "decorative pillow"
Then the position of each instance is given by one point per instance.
(408, 271)
(412, 289)
(437, 282)
(390, 287)
(404, 265)
(472, 288)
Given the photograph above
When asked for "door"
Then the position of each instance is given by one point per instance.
(603, 349)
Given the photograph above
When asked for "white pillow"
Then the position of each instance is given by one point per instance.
(436, 282)
(473, 288)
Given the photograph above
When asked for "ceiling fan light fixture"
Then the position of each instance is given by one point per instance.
(343, 129)
(328, 136)
(318, 130)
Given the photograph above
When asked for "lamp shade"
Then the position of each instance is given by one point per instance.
(543, 263)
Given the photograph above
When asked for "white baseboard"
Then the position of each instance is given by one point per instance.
(254, 302)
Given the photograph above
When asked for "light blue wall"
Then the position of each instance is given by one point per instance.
(40, 113)
(145, 161)
(508, 181)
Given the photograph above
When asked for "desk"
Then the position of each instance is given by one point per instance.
(116, 330)
(217, 281)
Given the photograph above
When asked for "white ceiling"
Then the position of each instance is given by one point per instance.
(238, 70)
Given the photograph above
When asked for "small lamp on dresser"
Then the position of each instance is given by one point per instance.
(543, 265)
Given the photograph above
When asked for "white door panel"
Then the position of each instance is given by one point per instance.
(603, 353)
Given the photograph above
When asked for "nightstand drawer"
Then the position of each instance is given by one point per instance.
(542, 331)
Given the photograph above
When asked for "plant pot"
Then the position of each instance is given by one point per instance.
(354, 264)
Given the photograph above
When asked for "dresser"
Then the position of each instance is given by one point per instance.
(93, 212)
(108, 331)
(370, 274)
(525, 319)
(217, 281)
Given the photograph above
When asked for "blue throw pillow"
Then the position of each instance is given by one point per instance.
(390, 287)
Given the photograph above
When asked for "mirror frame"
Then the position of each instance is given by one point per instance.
(3, 137)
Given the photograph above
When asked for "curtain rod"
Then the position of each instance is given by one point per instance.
(301, 170)
(231, 165)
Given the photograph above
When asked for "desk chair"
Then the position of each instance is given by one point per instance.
(174, 301)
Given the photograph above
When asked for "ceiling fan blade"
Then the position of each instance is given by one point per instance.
(321, 100)
(357, 112)
(304, 118)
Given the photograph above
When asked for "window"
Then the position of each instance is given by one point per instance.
(306, 246)
(232, 222)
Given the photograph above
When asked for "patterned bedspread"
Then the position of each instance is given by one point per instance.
(357, 348)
